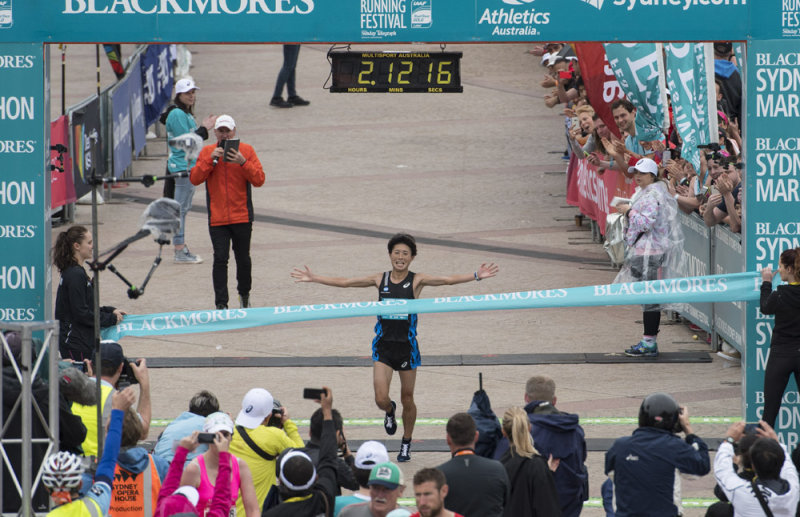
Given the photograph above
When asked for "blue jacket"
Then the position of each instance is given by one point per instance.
(643, 467)
(136, 459)
(561, 435)
(184, 425)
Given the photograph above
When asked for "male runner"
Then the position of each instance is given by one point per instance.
(395, 345)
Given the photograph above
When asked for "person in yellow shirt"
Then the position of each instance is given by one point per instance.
(261, 434)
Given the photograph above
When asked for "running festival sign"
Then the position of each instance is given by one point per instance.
(772, 28)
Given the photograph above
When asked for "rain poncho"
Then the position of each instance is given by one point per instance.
(653, 237)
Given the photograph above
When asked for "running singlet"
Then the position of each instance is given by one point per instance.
(206, 488)
(396, 328)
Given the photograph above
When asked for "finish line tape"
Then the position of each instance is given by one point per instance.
(713, 288)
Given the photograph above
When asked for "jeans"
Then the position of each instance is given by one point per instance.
(184, 192)
(221, 239)
(286, 75)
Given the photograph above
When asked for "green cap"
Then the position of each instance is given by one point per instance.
(386, 474)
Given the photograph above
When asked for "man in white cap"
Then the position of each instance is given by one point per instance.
(385, 487)
(229, 179)
(369, 454)
(258, 443)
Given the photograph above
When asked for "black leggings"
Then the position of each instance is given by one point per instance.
(776, 377)
(646, 268)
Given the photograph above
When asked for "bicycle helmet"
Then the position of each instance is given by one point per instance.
(62, 470)
(661, 411)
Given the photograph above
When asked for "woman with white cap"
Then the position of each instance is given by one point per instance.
(202, 472)
(654, 244)
(179, 121)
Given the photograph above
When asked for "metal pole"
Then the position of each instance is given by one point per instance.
(63, 47)
(26, 429)
(97, 364)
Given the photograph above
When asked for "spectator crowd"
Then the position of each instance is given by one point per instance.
(713, 190)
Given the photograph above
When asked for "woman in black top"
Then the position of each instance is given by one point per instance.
(784, 350)
(533, 490)
(75, 296)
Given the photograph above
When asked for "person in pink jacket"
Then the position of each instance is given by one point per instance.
(174, 499)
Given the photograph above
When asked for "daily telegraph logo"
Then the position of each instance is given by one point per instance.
(186, 6)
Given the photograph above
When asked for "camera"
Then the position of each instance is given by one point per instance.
(684, 182)
(79, 365)
(205, 437)
(127, 377)
(277, 415)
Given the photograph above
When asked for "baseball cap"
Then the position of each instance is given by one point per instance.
(218, 421)
(225, 121)
(111, 352)
(189, 492)
(185, 85)
(370, 454)
(555, 58)
(386, 474)
(545, 59)
(645, 165)
(256, 406)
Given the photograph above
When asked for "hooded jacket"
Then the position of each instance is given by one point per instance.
(533, 490)
(784, 303)
(644, 467)
(731, 86)
(561, 435)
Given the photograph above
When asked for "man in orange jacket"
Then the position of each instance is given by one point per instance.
(229, 177)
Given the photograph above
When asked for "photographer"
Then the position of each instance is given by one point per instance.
(345, 478)
(643, 466)
(259, 443)
(306, 490)
(115, 372)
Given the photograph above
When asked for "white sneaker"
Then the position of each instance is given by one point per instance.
(184, 256)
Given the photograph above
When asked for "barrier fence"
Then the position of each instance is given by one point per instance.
(708, 251)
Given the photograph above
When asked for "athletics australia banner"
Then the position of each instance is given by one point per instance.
(716, 288)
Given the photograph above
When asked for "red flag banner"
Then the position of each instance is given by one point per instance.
(601, 84)
(62, 187)
(592, 192)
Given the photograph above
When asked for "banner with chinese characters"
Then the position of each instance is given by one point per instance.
(156, 82)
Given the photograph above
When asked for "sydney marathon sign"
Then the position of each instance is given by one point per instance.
(719, 288)
(24, 231)
(431, 21)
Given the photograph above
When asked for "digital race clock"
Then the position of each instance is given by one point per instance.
(396, 72)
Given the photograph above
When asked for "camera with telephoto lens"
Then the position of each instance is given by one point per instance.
(128, 377)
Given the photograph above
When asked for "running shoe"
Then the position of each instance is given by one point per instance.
(405, 451)
(244, 301)
(643, 349)
(390, 422)
(184, 256)
(296, 100)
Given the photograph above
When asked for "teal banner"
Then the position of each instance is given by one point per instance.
(252, 21)
(772, 198)
(686, 79)
(24, 184)
(720, 288)
(640, 72)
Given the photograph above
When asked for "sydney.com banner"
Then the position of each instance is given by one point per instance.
(374, 20)
(716, 288)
